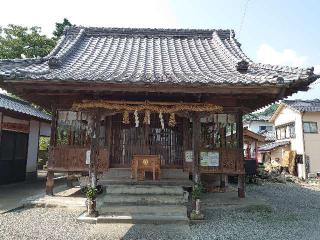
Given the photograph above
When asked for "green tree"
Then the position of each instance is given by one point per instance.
(58, 32)
(271, 109)
(18, 42)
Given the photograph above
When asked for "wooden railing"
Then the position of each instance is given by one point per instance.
(73, 159)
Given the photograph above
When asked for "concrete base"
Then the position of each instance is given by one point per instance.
(135, 219)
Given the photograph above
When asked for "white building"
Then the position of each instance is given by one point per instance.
(259, 124)
(297, 129)
(21, 125)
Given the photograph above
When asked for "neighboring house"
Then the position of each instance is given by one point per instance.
(260, 125)
(21, 124)
(297, 129)
(251, 143)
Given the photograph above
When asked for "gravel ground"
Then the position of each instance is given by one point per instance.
(293, 213)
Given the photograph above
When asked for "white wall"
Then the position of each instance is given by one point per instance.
(254, 125)
(33, 144)
(312, 142)
(288, 115)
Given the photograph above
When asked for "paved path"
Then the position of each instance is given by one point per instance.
(12, 195)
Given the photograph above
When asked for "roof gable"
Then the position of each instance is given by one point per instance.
(298, 106)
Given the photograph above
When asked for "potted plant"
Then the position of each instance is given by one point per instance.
(197, 191)
(91, 193)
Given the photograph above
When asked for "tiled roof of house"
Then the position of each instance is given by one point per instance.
(128, 55)
(254, 117)
(269, 135)
(16, 105)
(304, 105)
(270, 146)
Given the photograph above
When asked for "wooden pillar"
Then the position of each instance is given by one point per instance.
(241, 177)
(69, 180)
(94, 148)
(108, 136)
(222, 181)
(50, 173)
(185, 129)
(196, 134)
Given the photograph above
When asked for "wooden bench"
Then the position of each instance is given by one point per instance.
(145, 163)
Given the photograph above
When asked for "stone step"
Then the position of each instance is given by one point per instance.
(163, 182)
(125, 173)
(174, 174)
(139, 218)
(170, 210)
(143, 199)
(117, 173)
(144, 189)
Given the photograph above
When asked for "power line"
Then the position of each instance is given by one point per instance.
(243, 16)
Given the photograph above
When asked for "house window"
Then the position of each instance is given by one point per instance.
(261, 128)
(268, 128)
(286, 131)
(310, 127)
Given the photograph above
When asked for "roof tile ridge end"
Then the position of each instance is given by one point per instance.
(56, 62)
(286, 69)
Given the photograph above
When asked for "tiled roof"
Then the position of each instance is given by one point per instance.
(269, 135)
(254, 117)
(127, 55)
(12, 104)
(270, 146)
(304, 105)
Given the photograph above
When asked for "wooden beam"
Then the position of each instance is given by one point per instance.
(166, 88)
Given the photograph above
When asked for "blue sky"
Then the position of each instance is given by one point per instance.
(273, 31)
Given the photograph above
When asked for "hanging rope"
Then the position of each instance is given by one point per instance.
(152, 107)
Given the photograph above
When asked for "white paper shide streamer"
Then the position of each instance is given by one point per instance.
(136, 118)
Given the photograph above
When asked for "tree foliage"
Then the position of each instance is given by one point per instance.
(60, 27)
(18, 42)
(44, 143)
(267, 112)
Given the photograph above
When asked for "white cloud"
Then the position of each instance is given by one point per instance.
(269, 55)
(317, 69)
(100, 13)
(289, 57)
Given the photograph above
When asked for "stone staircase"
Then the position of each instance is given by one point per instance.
(156, 204)
(168, 177)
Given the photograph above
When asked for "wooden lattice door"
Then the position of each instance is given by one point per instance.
(128, 140)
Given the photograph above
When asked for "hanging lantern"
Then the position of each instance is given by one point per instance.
(146, 119)
(172, 120)
(136, 118)
(161, 120)
(126, 119)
